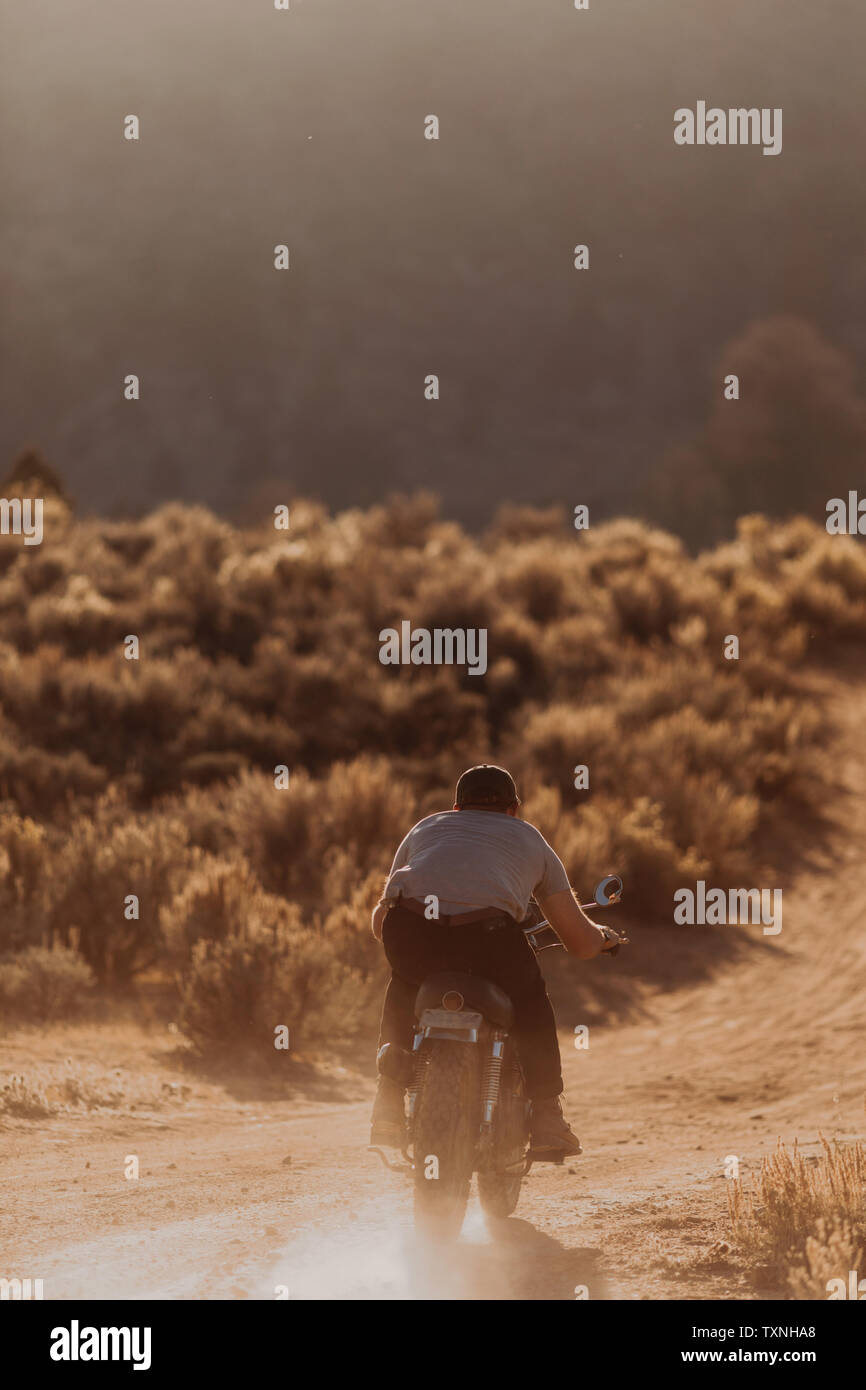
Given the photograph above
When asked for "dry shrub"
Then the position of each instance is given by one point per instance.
(252, 966)
(290, 837)
(828, 1255)
(803, 1218)
(216, 901)
(40, 986)
(101, 863)
(237, 992)
(37, 785)
(23, 891)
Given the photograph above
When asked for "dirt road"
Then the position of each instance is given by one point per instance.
(247, 1197)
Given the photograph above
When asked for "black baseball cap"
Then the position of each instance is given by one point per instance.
(486, 785)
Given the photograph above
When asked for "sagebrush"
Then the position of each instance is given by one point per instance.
(154, 778)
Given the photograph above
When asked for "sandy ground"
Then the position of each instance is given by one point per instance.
(241, 1195)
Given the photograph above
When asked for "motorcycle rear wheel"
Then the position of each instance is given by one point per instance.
(499, 1193)
(444, 1138)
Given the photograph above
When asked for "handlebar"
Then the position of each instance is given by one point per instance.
(542, 936)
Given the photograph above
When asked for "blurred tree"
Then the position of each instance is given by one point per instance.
(797, 434)
(32, 475)
(795, 437)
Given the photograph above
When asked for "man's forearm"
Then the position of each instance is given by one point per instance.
(580, 936)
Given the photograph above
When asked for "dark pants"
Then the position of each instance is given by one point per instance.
(496, 950)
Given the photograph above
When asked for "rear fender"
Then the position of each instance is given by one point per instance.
(457, 1025)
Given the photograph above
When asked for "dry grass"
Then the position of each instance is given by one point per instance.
(804, 1221)
(41, 985)
(25, 1099)
(67, 1086)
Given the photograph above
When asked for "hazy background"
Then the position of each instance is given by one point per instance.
(411, 256)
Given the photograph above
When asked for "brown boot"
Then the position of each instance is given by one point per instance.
(550, 1134)
(388, 1126)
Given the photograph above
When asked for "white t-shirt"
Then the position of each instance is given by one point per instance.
(474, 859)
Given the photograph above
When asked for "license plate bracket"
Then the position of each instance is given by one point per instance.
(450, 1018)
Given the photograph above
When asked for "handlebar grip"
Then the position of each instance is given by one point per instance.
(623, 941)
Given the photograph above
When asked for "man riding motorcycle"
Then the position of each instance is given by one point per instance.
(459, 887)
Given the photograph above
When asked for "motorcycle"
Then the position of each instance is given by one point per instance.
(467, 1106)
